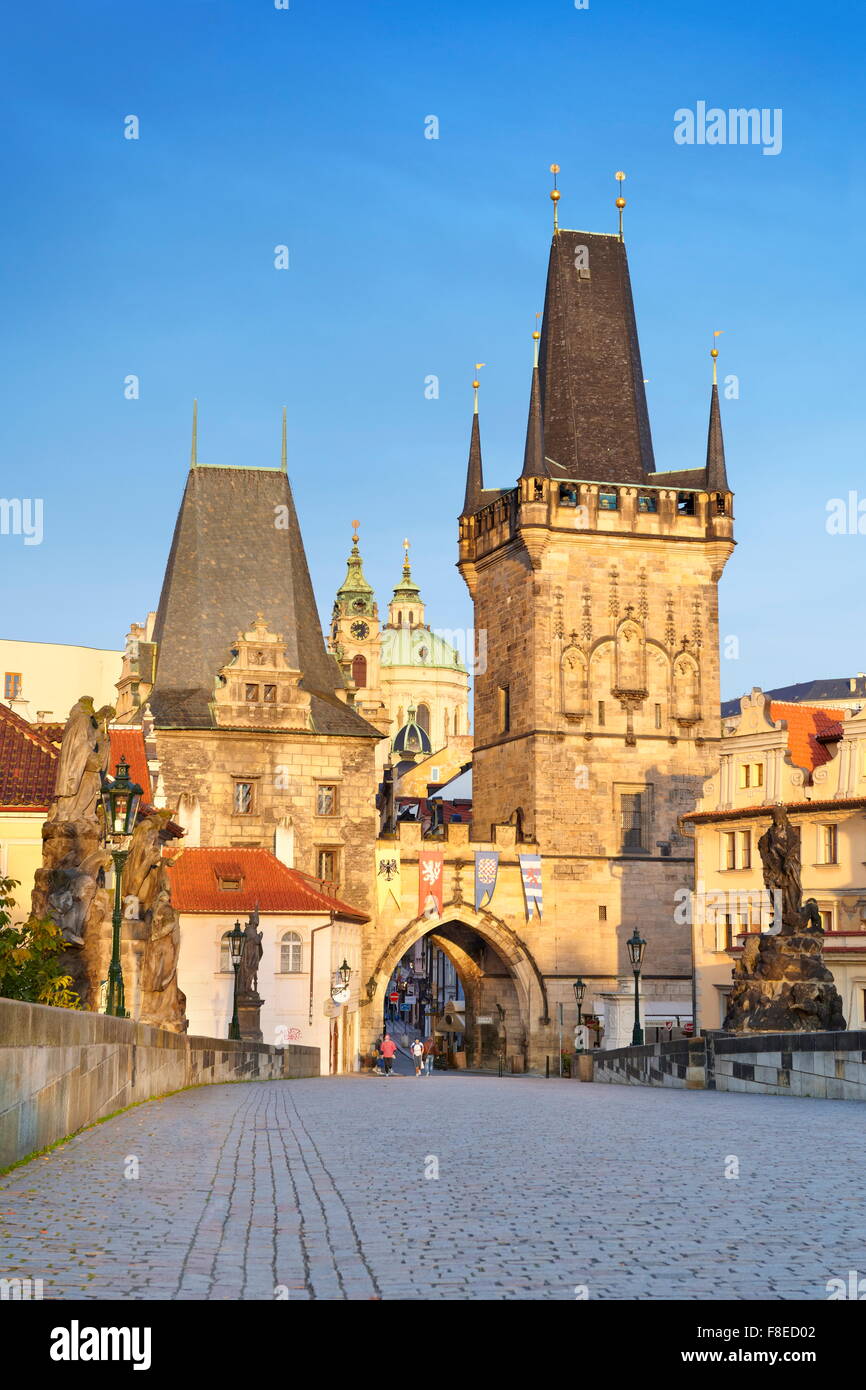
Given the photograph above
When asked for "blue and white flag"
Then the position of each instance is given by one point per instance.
(486, 869)
(530, 872)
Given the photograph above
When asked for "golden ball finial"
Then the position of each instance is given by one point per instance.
(620, 202)
(714, 352)
(555, 195)
(536, 335)
(554, 168)
(475, 385)
(619, 175)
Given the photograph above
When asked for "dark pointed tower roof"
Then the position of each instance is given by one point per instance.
(593, 402)
(717, 477)
(474, 473)
(533, 453)
(237, 551)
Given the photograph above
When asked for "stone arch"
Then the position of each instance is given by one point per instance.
(525, 976)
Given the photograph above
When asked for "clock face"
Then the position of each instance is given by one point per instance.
(360, 630)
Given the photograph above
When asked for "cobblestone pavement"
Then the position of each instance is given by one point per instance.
(327, 1189)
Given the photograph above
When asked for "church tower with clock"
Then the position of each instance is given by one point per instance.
(354, 639)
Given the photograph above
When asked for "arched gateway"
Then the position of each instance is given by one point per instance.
(501, 981)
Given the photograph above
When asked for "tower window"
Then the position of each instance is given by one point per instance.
(632, 819)
(658, 716)
(422, 717)
(602, 913)
(243, 799)
(252, 693)
(326, 799)
(608, 501)
(647, 502)
(567, 495)
(721, 505)
(504, 709)
(686, 503)
(11, 685)
(326, 865)
(359, 671)
(601, 713)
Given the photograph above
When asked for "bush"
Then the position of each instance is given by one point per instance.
(29, 956)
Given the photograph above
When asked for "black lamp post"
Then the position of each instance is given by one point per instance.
(236, 946)
(579, 988)
(340, 983)
(120, 799)
(636, 947)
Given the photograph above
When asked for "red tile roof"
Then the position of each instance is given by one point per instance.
(809, 731)
(28, 764)
(265, 882)
(129, 744)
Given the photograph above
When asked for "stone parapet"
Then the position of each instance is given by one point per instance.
(61, 1069)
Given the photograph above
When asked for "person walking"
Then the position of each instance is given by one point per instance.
(389, 1052)
(429, 1050)
(417, 1050)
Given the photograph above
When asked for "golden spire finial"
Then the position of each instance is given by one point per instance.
(555, 196)
(283, 459)
(536, 337)
(355, 525)
(407, 573)
(475, 385)
(193, 453)
(620, 202)
(714, 353)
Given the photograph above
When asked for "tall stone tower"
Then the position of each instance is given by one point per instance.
(595, 580)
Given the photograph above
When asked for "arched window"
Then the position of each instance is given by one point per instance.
(399, 617)
(411, 619)
(446, 721)
(290, 954)
(422, 718)
(359, 671)
(226, 953)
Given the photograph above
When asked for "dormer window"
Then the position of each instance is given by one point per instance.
(230, 885)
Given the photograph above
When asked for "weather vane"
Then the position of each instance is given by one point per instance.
(476, 383)
(555, 196)
(714, 353)
(620, 202)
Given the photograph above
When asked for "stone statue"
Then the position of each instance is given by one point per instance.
(84, 755)
(248, 970)
(781, 983)
(163, 1003)
(779, 848)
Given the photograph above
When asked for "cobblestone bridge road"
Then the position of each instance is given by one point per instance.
(327, 1189)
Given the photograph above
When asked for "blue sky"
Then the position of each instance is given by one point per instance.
(412, 257)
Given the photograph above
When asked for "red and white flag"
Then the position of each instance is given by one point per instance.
(430, 866)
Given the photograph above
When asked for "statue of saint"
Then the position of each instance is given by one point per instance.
(248, 970)
(84, 754)
(779, 848)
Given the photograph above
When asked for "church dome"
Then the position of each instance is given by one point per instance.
(412, 739)
(404, 646)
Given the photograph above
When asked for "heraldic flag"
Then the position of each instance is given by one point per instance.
(387, 875)
(530, 872)
(430, 865)
(486, 869)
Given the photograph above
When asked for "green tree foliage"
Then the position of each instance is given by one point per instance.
(29, 957)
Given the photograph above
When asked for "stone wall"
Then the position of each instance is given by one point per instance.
(61, 1069)
(830, 1066)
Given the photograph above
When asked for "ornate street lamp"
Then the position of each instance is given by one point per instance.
(636, 947)
(579, 988)
(236, 947)
(340, 983)
(120, 799)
